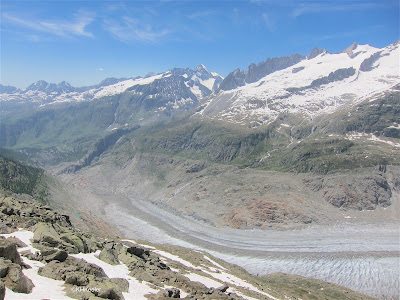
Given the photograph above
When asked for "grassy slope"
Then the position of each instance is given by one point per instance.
(20, 178)
(320, 146)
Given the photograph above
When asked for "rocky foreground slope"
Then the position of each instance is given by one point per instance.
(42, 256)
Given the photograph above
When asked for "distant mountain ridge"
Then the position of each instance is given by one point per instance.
(319, 83)
(296, 89)
(176, 89)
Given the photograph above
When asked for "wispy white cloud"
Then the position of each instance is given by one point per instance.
(61, 28)
(201, 14)
(269, 21)
(130, 29)
(100, 69)
(297, 8)
(314, 7)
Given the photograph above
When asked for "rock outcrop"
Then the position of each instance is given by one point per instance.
(11, 268)
(362, 192)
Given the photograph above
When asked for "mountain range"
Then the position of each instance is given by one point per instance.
(289, 143)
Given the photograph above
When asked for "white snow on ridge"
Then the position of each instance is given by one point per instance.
(371, 137)
(175, 258)
(122, 86)
(43, 98)
(137, 289)
(42, 284)
(208, 282)
(209, 83)
(265, 99)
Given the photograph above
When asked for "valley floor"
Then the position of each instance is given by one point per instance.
(359, 249)
(363, 257)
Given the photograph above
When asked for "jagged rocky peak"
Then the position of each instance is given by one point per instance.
(199, 76)
(109, 81)
(150, 74)
(64, 87)
(315, 52)
(350, 50)
(233, 80)
(202, 72)
(257, 71)
(64, 84)
(45, 87)
(201, 67)
(41, 86)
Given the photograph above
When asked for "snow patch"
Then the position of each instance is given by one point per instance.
(42, 284)
(208, 282)
(176, 258)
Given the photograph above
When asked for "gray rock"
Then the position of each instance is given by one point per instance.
(76, 278)
(354, 192)
(59, 270)
(17, 281)
(72, 239)
(350, 50)
(4, 265)
(257, 71)
(296, 70)
(172, 293)
(138, 251)
(59, 255)
(337, 75)
(46, 234)
(110, 253)
(2, 290)
(17, 242)
(104, 288)
(367, 63)
(8, 250)
(315, 52)
(122, 283)
(32, 256)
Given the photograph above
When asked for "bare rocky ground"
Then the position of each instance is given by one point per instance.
(43, 256)
(266, 222)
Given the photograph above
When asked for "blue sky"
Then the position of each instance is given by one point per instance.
(84, 42)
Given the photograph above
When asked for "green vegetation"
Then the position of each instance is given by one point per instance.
(62, 134)
(318, 146)
(267, 149)
(22, 179)
(298, 287)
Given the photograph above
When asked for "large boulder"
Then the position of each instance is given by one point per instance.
(17, 281)
(77, 278)
(110, 253)
(139, 251)
(87, 278)
(105, 289)
(169, 293)
(8, 250)
(4, 264)
(32, 256)
(122, 284)
(2, 290)
(17, 242)
(54, 254)
(74, 240)
(59, 270)
(46, 234)
(54, 235)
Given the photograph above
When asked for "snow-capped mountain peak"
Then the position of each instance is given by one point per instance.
(179, 88)
(320, 83)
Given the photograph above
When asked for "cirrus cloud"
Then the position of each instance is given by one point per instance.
(62, 28)
(130, 29)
